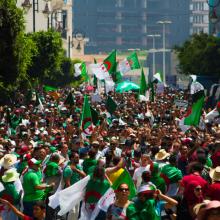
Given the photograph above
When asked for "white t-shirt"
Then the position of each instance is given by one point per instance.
(138, 173)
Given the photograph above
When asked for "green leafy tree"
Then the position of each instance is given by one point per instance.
(48, 59)
(200, 55)
(15, 49)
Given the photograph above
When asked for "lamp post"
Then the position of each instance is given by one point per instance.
(164, 23)
(27, 5)
(153, 36)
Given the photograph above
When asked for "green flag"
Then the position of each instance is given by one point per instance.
(69, 100)
(194, 117)
(84, 73)
(133, 61)
(158, 77)
(95, 116)
(49, 89)
(111, 105)
(125, 178)
(110, 62)
(86, 118)
(143, 84)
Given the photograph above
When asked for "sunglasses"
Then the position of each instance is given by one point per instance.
(123, 189)
(198, 189)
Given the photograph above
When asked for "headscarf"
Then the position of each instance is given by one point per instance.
(190, 195)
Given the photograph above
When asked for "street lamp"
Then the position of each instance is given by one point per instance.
(153, 36)
(27, 5)
(164, 23)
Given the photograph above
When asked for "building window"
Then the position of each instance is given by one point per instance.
(119, 3)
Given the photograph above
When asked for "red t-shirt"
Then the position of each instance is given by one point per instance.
(195, 177)
(214, 191)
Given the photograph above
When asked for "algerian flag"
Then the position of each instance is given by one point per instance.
(86, 118)
(80, 70)
(111, 105)
(110, 62)
(143, 84)
(213, 114)
(95, 116)
(194, 114)
(159, 77)
(130, 63)
(100, 71)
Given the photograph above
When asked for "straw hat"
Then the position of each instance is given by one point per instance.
(215, 174)
(8, 160)
(161, 155)
(10, 176)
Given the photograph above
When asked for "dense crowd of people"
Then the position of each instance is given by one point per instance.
(176, 174)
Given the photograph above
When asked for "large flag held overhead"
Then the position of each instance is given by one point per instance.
(80, 70)
(49, 88)
(86, 118)
(130, 63)
(126, 86)
(143, 84)
(110, 62)
(193, 116)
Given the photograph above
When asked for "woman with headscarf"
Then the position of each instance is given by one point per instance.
(192, 196)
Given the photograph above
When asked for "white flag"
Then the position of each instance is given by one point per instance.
(99, 70)
(72, 196)
(211, 115)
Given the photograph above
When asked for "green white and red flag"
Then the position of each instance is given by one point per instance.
(130, 63)
(86, 118)
(110, 62)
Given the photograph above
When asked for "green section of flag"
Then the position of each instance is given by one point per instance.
(84, 73)
(95, 116)
(110, 105)
(69, 100)
(194, 117)
(86, 117)
(133, 61)
(125, 178)
(49, 89)
(143, 84)
(110, 62)
(118, 77)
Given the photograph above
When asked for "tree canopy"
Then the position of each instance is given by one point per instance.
(200, 55)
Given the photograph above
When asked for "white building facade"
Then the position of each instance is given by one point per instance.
(199, 16)
(41, 15)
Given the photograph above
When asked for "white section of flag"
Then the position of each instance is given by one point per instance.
(78, 70)
(72, 196)
(196, 87)
(124, 66)
(211, 115)
(99, 70)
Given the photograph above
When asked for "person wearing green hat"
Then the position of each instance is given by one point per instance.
(33, 186)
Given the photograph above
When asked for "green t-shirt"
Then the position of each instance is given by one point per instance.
(10, 193)
(73, 175)
(30, 181)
